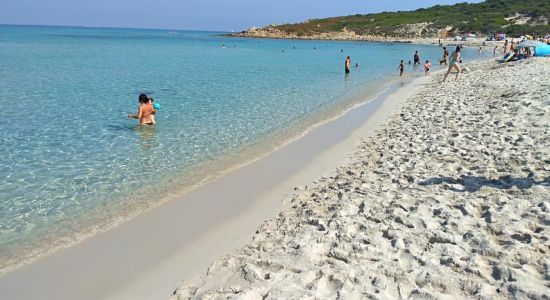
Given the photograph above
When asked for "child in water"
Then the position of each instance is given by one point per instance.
(154, 112)
(427, 67)
(401, 68)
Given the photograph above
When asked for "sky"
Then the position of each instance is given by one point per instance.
(218, 15)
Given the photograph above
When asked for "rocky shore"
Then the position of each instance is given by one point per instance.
(449, 199)
(270, 32)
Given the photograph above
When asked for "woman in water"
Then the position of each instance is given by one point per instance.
(445, 59)
(145, 112)
(453, 63)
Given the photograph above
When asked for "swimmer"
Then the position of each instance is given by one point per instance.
(416, 58)
(401, 67)
(445, 56)
(145, 111)
(347, 64)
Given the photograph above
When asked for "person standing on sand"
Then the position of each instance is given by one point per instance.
(401, 67)
(347, 64)
(416, 58)
(453, 63)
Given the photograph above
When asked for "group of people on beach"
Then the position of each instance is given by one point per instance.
(146, 111)
(453, 63)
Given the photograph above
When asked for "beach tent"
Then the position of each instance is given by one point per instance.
(541, 49)
(529, 43)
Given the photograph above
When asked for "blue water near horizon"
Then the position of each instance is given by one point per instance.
(72, 161)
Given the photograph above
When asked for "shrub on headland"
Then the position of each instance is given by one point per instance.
(514, 17)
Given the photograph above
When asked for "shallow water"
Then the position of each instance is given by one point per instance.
(74, 164)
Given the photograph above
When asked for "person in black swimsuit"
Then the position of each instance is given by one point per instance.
(416, 58)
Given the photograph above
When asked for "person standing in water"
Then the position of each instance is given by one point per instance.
(495, 50)
(445, 59)
(347, 64)
(453, 63)
(145, 111)
(427, 67)
(416, 58)
(401, 67)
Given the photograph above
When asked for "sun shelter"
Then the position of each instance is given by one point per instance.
(539, 48)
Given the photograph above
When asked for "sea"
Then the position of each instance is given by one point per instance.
(73, 164)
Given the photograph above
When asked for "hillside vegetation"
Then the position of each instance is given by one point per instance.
(514, 17)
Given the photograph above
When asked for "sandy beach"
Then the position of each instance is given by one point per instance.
(449, 199)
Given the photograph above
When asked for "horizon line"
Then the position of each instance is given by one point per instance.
(112, 27)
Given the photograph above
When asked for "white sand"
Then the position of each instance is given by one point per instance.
(451, 199)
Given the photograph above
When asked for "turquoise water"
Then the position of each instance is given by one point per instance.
(72, 163)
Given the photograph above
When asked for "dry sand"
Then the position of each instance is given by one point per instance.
(451, 199)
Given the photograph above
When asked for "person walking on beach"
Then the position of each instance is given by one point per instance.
(347, 64)
(401, 67)
(445, 59)
(427, 67)
(145, 111)
(416, 58)
(453, 63)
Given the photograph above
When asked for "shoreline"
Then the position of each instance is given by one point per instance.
(229, 162)
(470, 42)
(448, 199)
(128, 229)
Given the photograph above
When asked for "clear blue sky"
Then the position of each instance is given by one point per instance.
(223, 15)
